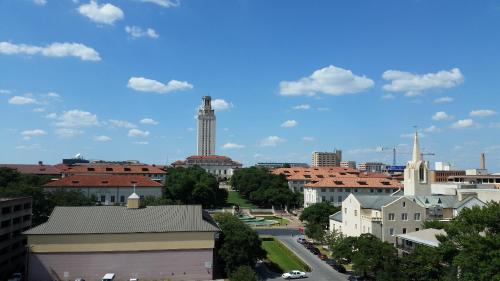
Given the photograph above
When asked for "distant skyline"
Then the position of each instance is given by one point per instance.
(120, 80)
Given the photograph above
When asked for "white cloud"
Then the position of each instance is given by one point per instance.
(53, 50)
(302, 106)
(137, 133)
(39, 109)
(138, 32)
(308, 138)
(164, 3)
(432, 129)
(220, 104)
(444, 100)
(102, 138)
(105, 13)
(148, 121)
(271, 141)
(231, 145)
(148, 85)
(75, 118)
(441, 115)
(53, 95)
(28, 134)
(141, 142)
(289, 124)
(388, 97)
(414, 84)
(40, 2)
(482, 113)
(330, 80)
(68, 133)
(5, 92)
(463, 124)
(19, 100)
(121, 124)
(52, 115)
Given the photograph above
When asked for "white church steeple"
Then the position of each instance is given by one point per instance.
(416, 180)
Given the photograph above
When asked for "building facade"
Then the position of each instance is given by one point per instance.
(108, 189)
(222, 167)
(15, 217)
(348, 164)
(326, 159)
(206, 128)
(149, 243)
(372, 167)
(150, 171)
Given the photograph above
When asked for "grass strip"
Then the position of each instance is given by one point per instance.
(281, 257)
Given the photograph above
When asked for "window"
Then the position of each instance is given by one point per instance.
(27, 206)
(356, 226)
(339, 199)
(404, 204)
(6, 210)
(109, 169)
(323, 190)
(103, 198)
(391, 216)
(404, 230)
(323, 199)
(379, 190)
(391, 231)
(404, 216)
(355, 190)
(112, 199)
(371, 190)
(331, 198)
(417, 229)
(17, 208)
(355, 213)
(122, 199)
(417, 216)
(387, 191)
(126, 169)
(345, 210)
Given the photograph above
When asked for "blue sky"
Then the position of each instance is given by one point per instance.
(121, 80)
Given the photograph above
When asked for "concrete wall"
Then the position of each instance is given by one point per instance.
(398, 207)
(148, 265)
(120, 242)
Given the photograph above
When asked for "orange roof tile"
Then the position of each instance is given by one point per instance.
(356, 182)
(114, 169)
(103, 181)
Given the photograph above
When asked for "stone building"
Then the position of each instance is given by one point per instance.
(206, 128)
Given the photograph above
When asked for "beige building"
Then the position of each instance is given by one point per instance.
(221, 167)
(326, 159)
(206, 128)
(15, 217)
(348, 164)
(149, 243)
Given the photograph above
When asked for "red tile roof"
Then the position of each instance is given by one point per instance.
(356, 182)
(103, 181)
(114, 169)
(315, 173)
(35, 169)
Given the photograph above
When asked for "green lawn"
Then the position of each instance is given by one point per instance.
(281, 221)
(235, 198)
(279, 255)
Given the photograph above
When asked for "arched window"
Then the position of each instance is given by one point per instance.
(421, 173)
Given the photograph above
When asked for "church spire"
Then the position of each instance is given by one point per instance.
(416, 149)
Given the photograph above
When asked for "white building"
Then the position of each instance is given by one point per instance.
(206, 128)
(387, 216)
(107, 189)
(326, 159)
(220, 166)
(372, 167)
(348, 164)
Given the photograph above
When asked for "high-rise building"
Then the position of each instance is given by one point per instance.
(326, 159)
(348, 164)
(206, 128)
(372, 167)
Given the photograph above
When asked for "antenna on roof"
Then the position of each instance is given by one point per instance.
(134, 187)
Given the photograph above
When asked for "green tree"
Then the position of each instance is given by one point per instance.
(434, 224)
(471, 246)
(318, 213)
(194, 185)
(424, 263)
(243, 273)
(156, 201)
(240, 245)
(315, 231)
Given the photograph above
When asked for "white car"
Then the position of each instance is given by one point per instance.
(294, 274)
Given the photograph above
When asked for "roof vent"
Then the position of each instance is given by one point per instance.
(134, 201)
(75, 182)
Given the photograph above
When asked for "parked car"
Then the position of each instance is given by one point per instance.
(340, 268)
(294, 274)
(15, 277)
(356, 278)
(331, 262)
(301, 240)
(79, 279)
(315, 250)
(322, 257)
(108, 277)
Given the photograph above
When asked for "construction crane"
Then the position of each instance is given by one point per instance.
(394, 152)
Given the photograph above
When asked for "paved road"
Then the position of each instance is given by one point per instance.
(320, 270)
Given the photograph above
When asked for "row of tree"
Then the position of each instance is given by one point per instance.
(264, 189)
(470, 250)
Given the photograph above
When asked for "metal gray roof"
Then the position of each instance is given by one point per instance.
(337, 216)
(375, 201)
(445, 201)
(119, 219)
(425, 236)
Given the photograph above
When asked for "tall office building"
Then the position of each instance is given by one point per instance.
(326, 159)
(206, 128)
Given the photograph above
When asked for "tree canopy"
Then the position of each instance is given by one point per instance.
(264, 189)
(243, 273)
(240, 244)
(194, 185)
